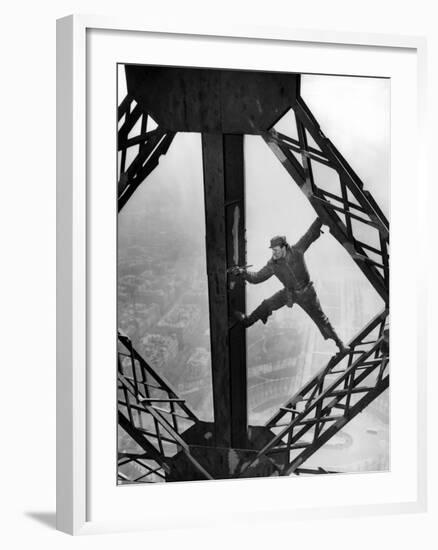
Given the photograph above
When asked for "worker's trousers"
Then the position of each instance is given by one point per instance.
(306, 299)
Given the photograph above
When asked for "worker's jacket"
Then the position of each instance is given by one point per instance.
(291, 270)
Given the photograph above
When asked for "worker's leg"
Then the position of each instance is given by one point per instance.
(309, 301)
(265, 309)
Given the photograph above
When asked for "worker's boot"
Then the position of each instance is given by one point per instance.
(329, 332)
(261, 312)
(339, 343)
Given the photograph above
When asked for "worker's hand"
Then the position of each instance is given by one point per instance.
(237, 271)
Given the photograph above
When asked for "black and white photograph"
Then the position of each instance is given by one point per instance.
(252, 274)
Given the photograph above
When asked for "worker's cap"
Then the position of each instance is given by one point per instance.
(278, 240)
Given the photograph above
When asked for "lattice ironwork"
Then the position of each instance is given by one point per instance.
(151, 414)
(140, 471)
(348, 383)
(336, 193)
(139, 146)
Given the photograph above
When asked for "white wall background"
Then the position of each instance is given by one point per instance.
(27, 492)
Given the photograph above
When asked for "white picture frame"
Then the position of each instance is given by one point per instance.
(79, 38)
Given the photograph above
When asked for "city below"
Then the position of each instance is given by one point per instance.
(163, 308)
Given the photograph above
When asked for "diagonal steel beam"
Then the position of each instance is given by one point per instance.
(312, 407)
(142, 441)
(328, 214)
(339, 163)
(352, 412)
(151, 146)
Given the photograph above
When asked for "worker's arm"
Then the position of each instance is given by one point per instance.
(256, 277)
(310, 236)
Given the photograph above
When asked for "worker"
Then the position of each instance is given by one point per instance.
(288, 265)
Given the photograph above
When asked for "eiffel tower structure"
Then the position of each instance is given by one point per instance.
(170, 443)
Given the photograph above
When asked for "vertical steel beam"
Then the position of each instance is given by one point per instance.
(236, 254)
(224, 211)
